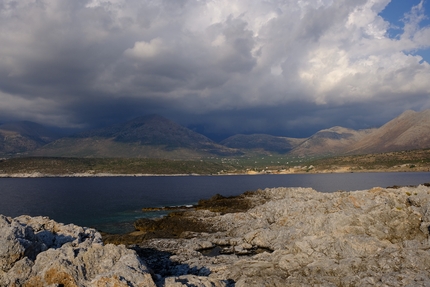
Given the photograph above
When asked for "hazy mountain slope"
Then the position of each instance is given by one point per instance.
(148, 136)
(152, 130)
(157, 137)
(23, 136)
(107, 148)
(332, 141)
(263, 142)
(410, 130)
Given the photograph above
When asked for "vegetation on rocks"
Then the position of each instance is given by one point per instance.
(375, 237)
(278, 237)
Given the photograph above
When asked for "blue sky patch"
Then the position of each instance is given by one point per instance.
(395, 13)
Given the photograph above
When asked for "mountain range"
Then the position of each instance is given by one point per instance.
(154, 136)
(150, 136)
(19, 137)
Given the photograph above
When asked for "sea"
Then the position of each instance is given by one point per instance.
(112, 204)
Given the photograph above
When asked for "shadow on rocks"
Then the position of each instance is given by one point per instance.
(162, 267)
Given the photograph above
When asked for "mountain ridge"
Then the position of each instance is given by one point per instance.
(158, 137)
(328, 142)
(24, 136)
(410, 130)
(146, 136)
(262, 142)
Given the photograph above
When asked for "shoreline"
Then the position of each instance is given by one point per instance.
(284, 236)
(86, 175)
(294, 236)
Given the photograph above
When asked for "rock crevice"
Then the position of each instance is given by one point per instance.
(37, 251)
(377, 237)
(371, 237)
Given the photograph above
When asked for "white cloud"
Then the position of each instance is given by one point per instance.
(209, 55)
(145, 50)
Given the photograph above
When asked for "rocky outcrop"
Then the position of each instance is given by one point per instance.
(300, 237)
(280, 237)
(37, 251)
(185, 219)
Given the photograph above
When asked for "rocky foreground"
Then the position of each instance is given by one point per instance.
(276, 237)
(41, 252)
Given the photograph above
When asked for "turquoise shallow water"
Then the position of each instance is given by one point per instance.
(112, 203)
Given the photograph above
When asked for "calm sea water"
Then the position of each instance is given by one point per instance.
(113, 203)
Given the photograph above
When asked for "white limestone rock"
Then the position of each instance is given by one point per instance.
(375, 237)
(37, 251)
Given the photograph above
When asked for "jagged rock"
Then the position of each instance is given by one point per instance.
(37, 251)
(377, 237)
(16, 242)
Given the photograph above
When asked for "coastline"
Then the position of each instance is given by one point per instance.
(293, 237)
(81, 175)
(273, 237)
(405, 161)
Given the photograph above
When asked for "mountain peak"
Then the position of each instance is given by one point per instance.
(332, 141)
(338, 129)
(154, 130)
(28, 128)
(410, 130)
(23, 136)
(141, 134)
(148, 118)
(263, 142)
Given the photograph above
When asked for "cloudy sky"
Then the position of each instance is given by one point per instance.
(285, 67)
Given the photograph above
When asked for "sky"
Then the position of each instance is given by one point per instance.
(219, 67)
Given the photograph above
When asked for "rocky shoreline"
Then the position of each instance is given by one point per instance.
(271, 237)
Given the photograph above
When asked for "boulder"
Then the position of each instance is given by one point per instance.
(37, 251)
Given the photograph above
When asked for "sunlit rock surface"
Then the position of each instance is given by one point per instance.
(301, 237)
(278, 237)
(37, 251)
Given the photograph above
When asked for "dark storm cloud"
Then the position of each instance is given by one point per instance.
(223, 67)
(296, 119)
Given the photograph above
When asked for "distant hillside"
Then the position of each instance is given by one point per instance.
(157, 137)
(19, 137)
(262, 142)
(410, 130)
(149, 136)
(328, 142)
